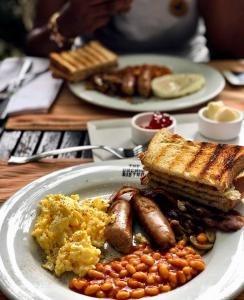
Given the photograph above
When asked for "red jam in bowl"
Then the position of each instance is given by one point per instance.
(159, 120)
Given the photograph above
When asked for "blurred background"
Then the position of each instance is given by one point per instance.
(14, 22)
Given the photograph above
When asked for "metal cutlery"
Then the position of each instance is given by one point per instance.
(31, 76)
(18, 81)
(234, 78)
(21, 76)
(13, 86)
(26, 79)
(118, 152)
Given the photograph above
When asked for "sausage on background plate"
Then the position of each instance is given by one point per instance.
(119, 233)
(128, 84)
(153, 221)
(144, 83)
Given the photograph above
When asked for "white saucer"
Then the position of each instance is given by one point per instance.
(117, 133)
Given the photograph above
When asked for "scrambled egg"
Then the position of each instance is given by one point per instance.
(71, 233)
(141, 239)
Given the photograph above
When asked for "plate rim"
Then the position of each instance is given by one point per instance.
(63, 172)
(134, 108)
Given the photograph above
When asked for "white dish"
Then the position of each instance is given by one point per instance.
(140, 135)
(214, 85)
(117, 133)
(21, 274)
(219, 130)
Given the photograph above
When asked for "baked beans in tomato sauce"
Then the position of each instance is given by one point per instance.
(144, 272)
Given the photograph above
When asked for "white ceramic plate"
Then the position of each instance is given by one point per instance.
(23, 278)
(214, 85)
(117, 133)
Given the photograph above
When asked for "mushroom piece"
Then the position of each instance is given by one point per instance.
(205, 246)
(211, 235)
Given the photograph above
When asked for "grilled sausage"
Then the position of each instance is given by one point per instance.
(153, 221)
(158, 71)
(119, 233)
(128, 84)
(144, 83)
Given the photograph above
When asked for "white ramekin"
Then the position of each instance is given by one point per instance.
(219, 130)
(141, 136)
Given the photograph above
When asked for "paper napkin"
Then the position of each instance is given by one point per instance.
(35, 96)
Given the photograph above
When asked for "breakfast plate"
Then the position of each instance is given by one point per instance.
(21, 274)
(213, 86)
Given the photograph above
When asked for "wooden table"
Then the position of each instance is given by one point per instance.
(66, 126)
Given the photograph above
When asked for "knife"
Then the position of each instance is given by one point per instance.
(27, 79)
(14, 85)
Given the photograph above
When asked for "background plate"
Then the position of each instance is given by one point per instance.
(214, 85)
(21, 274)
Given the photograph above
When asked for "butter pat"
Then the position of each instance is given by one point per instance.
(217, 111)
(213, 108)
(226, 114)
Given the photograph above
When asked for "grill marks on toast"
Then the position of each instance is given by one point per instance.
(80, 63)
(232, 165)
(94, 53)
(218, 150)
(70, 60)
(201, 171)
(229, 161)
(200, 157)
(193, 159)
(58, 62)
(197, 155)
(83, 62)
(169, 150)
(222, 165)
(177, 160)
(163, 152)
(212, 164)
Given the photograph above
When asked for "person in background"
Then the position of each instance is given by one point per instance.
(126, 26)
(12, 29)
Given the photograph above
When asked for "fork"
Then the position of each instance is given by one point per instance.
(118, 152)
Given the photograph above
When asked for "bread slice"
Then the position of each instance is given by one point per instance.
(56, 73)
(195, 187)
(211, 164)
(223, 201)
(78, 64)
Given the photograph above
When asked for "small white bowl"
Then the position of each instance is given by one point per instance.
(219, 130)
(141, 136)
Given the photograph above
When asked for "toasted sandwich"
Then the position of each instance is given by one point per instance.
(78, 64)
(200, 171)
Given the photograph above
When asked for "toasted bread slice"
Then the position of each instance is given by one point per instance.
(196, 187)
(224, 201)
(219, 201)
(57, 73)
(239, 184)
(76, 65)
(211, 164)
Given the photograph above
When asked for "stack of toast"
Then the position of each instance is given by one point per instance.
(78, 64)
(200, 171)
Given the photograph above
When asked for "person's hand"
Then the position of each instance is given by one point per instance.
(81, 17)
(119, 6)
